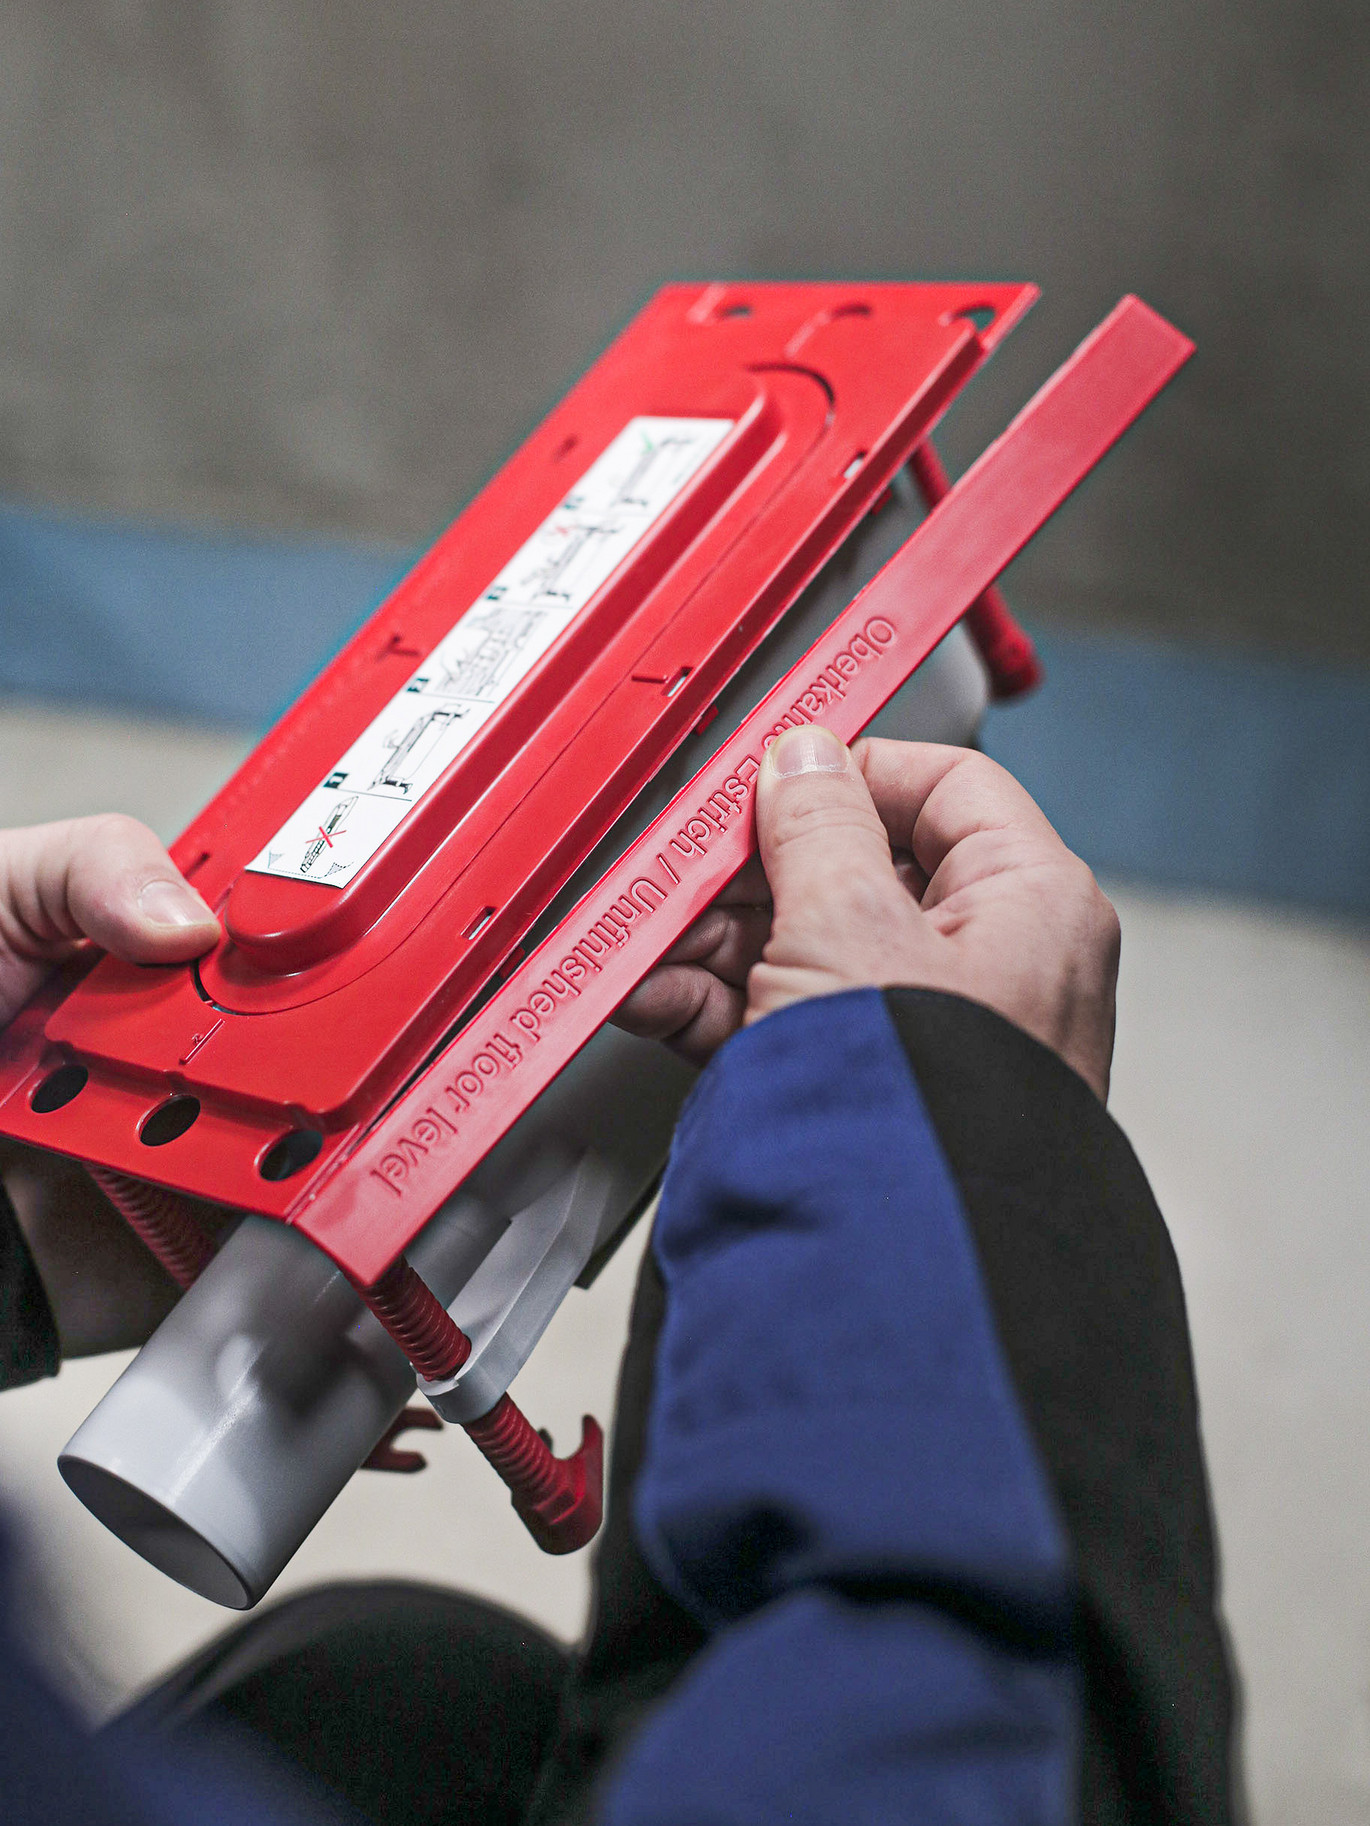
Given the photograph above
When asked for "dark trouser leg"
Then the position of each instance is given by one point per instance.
(422, 1706)
(418, 1705)
(640, 1638)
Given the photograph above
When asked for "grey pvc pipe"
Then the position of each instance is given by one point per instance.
(238, 1423)
(236, 1426)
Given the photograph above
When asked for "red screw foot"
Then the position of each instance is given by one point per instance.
(384, 1456)
(560, 1501)
(1009, 655)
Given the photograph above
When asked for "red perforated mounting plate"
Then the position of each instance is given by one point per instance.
(543, 780)
(387, 846)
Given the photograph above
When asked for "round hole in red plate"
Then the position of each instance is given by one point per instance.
(58, 1089)
(980, 315)
(290, 1153)
(169, 1121)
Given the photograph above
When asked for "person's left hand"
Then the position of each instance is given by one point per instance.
(107, 880)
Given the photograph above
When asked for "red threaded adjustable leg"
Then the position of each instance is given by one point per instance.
(161, 1220)
(1009, 655)
(418, 1322)
(559, 1500)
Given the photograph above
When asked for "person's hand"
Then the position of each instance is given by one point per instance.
(897, 863)
(106, 880)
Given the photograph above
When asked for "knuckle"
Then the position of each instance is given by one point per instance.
(1096, 924)
(804, 819)
(109, 830)
(864, 898)
(1108, 927)
(974, 771)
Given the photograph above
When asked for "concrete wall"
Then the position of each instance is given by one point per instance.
(318, 263)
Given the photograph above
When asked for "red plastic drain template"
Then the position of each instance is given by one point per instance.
(386, 848)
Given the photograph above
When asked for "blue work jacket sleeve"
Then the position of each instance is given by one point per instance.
(839, 1481)
(53, 1772)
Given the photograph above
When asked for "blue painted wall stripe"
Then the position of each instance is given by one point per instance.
(184, 624)
(1241, 774)
(1233, 773)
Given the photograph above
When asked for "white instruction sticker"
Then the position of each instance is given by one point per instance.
(466, 678)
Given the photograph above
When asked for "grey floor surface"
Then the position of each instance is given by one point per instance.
(1243, 1078)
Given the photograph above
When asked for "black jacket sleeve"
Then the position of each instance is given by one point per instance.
(1086, 1298)
(28, 1334)
(1086, 1292)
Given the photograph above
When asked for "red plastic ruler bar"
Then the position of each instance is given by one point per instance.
(373, 1203)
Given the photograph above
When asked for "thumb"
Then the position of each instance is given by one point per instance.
(816, 823)
(106, 879)
(840, 908)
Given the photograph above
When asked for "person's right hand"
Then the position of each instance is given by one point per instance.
(897, 863)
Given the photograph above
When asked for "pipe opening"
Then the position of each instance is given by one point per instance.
(163, 1539)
